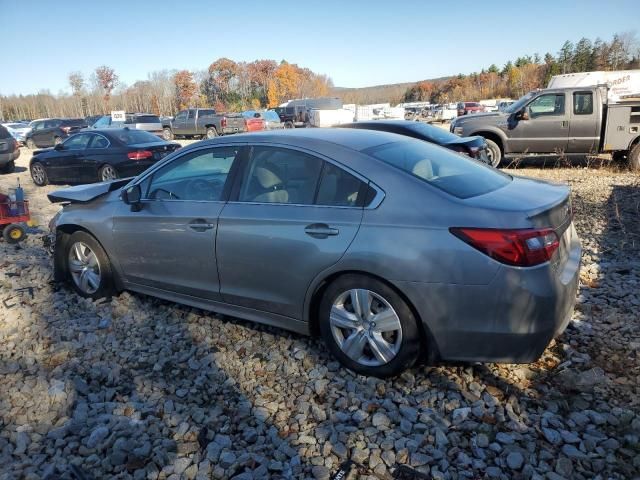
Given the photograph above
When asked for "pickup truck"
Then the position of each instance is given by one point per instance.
(559, 121)
(202, 122)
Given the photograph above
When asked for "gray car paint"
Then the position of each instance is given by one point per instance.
(473, 307)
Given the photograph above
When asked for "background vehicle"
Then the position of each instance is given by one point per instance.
(465, 108)
(9, 151)
(140, 121)
(502, 106)
(99, 155)
(373, 305)
(52, 131)
(271, 119)
(295, 113)
(474, 147)
(568, 121)
(203, 122)
(253, 121)
(18, 131)
(91, 119)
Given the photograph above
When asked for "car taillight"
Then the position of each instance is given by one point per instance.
(139, 155)
(521, 248)
(223, 122)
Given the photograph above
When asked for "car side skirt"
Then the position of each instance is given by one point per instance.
(222, 308)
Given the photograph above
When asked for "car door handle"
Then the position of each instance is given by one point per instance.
(564, 124)
(320, 230)
(200, 225)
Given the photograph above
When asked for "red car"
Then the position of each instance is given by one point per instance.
(465, 108)
(253, 121)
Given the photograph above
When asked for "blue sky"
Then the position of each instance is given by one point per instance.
(356, 42)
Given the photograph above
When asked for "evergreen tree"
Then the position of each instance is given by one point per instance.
(565, 56)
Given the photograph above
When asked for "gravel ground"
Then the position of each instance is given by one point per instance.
(140, 388)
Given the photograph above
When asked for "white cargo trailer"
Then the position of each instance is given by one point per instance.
(622, 83)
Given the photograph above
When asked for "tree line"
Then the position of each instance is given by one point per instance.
(531, 71)
(226, 86)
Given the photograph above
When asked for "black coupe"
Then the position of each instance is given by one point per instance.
(98, 156)
(474, 147)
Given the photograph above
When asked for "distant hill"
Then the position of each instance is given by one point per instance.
(392, 93)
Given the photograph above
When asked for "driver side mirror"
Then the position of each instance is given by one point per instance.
(131, 196)
(58, 146)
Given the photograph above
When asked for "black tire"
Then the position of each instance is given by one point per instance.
(39, 174)
(495, 151)
(634, 158)
(57, 140)
(620, 156)
(167, 134)
(13, 233)
(107, 173)
(105, 286)
(31, 145)
(9, 167)
(212, 132)
(408, 345)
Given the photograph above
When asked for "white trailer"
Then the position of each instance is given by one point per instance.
(622, 83)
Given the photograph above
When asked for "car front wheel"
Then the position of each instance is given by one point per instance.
(88, 266)
(212, 132)
(368, 326)
(494, 153)
(167, 134)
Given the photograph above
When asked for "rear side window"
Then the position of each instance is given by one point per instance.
(143, 119)
(203, 112)
(583, 103)
(338, 188)
(281, 175)
(452, 173)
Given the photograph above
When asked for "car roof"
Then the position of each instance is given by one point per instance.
(354, 139)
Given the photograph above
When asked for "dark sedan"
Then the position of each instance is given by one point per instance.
(475, 147)
(99, 155)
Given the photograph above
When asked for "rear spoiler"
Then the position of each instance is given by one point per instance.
(86, 193)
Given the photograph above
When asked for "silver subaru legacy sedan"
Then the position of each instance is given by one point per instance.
(390, 248)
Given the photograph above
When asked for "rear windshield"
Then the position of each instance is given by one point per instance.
(452, 173)
(15, 125)
(472, 104)
(204, 112)
(142, 119)
(434, 134)
(133, 137)
(271, 116)
(74, 122)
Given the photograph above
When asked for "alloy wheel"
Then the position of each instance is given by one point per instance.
(38, 174)
(108, 173)
(84, 268)
(366, 327)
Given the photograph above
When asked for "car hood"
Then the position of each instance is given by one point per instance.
(86, 193)
(483, 118)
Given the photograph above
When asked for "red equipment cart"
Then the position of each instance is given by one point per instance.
(12, 215)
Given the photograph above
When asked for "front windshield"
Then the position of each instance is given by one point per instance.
(514, 107)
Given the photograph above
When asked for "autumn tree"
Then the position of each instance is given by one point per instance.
(76, 82)
(107, 81)
(185, 88)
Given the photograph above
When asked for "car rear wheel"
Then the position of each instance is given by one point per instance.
(107, 173)
(634, 158)
(368, 326)
(31, 145)
(13, 233)
(8, 168)
(494, 153)
(39, 174)
(88, 266)
(212, 132)
(167, 134)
